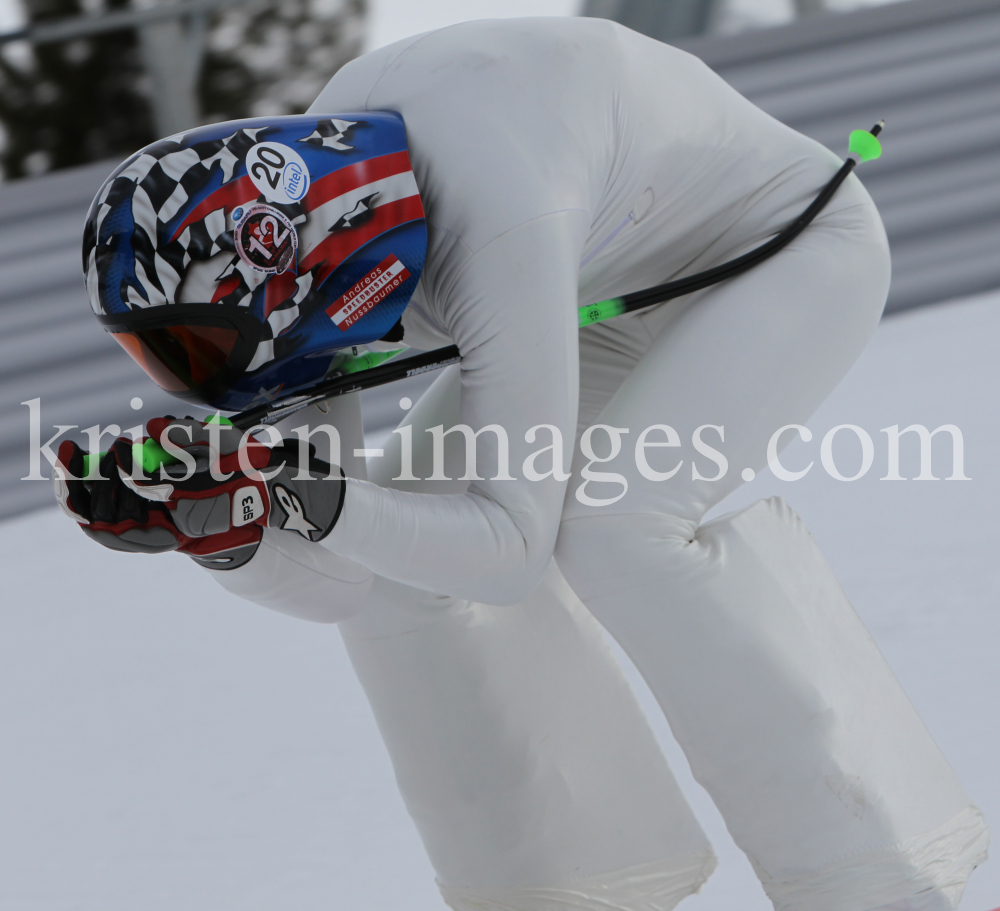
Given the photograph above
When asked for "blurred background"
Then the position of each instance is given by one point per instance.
(158, 752)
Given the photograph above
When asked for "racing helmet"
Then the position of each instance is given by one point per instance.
(235, 261)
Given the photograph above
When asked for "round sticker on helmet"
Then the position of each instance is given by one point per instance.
(265, 239)
(278, 171)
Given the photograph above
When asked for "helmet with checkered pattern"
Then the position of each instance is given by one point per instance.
(236, 262)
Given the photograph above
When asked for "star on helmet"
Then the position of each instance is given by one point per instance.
(265, 395)
(328, 134)
(347, 220)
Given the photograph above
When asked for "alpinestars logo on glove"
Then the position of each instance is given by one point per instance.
(295, 516)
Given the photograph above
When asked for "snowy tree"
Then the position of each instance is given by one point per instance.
(91, 98)
(276, 61)
(72, 102)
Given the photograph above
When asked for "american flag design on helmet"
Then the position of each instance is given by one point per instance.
(161, 232)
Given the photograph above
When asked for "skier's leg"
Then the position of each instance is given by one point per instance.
(521, 753)
(787, 712)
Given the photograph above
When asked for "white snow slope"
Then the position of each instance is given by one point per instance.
(164, 746)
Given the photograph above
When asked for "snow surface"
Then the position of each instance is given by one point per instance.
(164, 745)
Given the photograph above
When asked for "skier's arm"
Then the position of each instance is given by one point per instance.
(296, 577)
(511, 309)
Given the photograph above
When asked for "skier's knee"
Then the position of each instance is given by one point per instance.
(599, 549)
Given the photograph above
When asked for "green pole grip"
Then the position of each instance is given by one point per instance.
(602, 310)
(90, 462)
(153, 455)
(149, 453)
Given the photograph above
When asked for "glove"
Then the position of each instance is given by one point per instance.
(217, 518)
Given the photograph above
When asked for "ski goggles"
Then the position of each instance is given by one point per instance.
(187, 351)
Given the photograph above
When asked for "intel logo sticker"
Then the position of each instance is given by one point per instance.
(278, 172)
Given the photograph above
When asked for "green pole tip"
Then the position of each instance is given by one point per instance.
(864, 145)
(218, 419)
(602, 310)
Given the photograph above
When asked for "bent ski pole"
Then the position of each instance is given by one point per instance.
(863, 146)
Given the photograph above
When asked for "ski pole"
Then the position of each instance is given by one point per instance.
(373, 369)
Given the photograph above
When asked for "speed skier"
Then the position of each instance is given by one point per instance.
(555, 162)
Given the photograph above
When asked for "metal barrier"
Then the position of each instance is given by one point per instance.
(929, 67)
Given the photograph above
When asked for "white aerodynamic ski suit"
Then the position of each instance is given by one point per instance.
(562, 162)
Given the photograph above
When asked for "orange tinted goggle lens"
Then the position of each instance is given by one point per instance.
(182, 357)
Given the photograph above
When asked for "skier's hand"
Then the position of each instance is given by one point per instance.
(212, 505)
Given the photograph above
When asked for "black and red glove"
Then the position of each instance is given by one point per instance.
(211, 507)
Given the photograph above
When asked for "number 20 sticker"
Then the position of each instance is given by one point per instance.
(278, 172)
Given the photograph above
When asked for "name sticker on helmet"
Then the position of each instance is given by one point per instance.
(385, 278)
(278, 171)
(265, 239)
